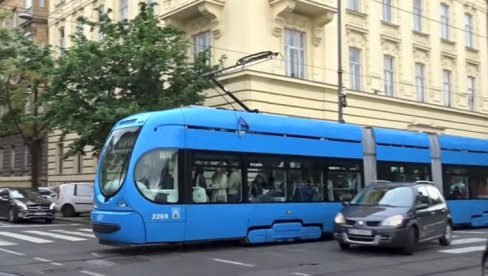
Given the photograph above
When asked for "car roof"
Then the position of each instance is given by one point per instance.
(385, 183)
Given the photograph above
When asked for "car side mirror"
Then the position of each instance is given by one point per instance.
(345, 203)
(4, 197)
(421, 206)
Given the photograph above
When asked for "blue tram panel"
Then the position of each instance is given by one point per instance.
(402, 146)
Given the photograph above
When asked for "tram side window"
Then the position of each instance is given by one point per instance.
(216, 178)
(403, 172)
(343, 182)
(305, 181)
(465, 182)
(480, 187)
(156, 176)
(266, 179)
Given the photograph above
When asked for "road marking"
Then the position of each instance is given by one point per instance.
(86, 230)
(470, 232)
(73, 233)
(231, 262)
(24, 237)
(91, 273)
(47, 261)
(38, 225)
(6, 243)
(470, 240)
(54, 235)
(464, 250)
(12, 252)
(301, 274)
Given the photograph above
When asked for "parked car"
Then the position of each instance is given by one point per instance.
(48, 194)
(484, 262)
(75, 198)
(24, 203)
(399, 215)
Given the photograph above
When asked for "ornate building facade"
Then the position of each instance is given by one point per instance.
(414, 65)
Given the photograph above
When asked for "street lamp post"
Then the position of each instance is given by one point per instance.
(341, 100)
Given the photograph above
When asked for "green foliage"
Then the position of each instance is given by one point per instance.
(24, 71)
(139, 66)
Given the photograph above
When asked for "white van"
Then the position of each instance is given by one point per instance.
(75, 198)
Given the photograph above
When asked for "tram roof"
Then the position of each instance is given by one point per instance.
(214, 118)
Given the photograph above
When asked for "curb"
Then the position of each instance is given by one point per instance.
(79, 219)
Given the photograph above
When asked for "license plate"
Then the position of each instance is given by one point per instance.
(39, 213)
(360, 232)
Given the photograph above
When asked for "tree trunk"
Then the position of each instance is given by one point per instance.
(36, 157)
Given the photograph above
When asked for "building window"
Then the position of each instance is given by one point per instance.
(354, 5)
(26, 156)
(155, 7)
(471, 92)
(355, 68)
(294, 53)
(79, 163)
(201, 44)
(41, 3)
(417, 15)
(387, 11)
(12, 157)
(101, 9)
(28, 4)
(444, 21)
(61, 39)
(124, 9)
(420, 81)
(447, 84)
(60, 158)
(389, 75)
(468, 29)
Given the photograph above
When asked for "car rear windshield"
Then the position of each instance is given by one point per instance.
(392, 196)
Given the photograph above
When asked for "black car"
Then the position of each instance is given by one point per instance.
(399, 215)
(484, 262)
(23, 203)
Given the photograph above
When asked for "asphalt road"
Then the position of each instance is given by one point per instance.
(68, 247)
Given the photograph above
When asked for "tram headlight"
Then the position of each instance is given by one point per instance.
(339, 218)
(122, 204)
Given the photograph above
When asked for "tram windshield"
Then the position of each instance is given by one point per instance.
(115, 159)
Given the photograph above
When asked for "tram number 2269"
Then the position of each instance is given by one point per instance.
(160, 216)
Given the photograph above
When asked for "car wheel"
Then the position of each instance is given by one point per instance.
(410, 242)
(344, 246)
(68, 211)
(12, 216)
(447, 238)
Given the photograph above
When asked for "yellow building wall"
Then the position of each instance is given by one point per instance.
(239, 28)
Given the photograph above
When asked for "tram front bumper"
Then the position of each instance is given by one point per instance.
(112, 227)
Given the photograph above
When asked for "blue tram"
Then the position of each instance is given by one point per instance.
(199, 173)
